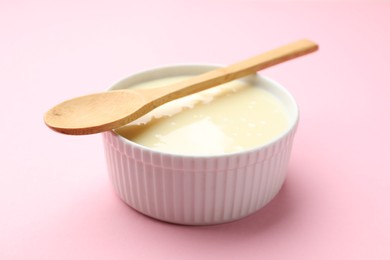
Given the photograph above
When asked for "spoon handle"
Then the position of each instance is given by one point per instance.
(219, 76)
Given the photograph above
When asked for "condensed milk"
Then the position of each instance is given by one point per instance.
(229, 118)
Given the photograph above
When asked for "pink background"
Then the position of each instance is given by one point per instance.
(55, 196)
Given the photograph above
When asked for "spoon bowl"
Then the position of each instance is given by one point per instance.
(88, 114)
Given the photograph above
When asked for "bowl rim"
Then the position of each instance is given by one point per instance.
(292, 127)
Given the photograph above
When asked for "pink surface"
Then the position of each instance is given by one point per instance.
(55, 196)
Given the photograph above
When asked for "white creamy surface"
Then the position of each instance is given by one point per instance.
(224, 119)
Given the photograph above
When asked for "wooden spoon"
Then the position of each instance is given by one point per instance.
(108, 110)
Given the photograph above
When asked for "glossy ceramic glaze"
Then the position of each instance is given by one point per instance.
(199, 190)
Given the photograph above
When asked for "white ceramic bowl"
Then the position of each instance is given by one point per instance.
(199, 190)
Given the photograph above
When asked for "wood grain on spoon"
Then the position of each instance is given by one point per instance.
(108, 110)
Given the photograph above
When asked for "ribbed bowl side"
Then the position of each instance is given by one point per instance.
(196, 190)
